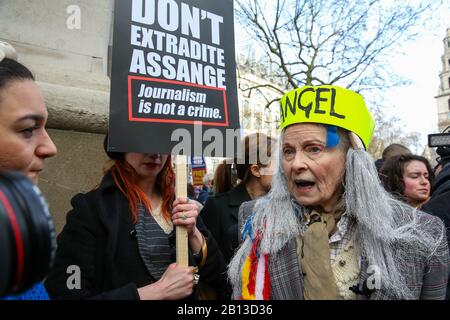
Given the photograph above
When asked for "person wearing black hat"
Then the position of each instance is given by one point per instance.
(121, 237)
(439, 204)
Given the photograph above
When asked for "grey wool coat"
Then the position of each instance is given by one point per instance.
(427, 279)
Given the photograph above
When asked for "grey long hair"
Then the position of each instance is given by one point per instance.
(387, 230)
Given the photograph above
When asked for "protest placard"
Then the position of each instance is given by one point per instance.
(173, 66)
(173, 71)
(198, 168)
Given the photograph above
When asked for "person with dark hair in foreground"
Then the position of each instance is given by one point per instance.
(24, 141)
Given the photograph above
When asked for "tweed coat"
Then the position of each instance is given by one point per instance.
(427, 279)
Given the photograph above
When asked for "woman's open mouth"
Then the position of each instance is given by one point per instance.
(304, 185)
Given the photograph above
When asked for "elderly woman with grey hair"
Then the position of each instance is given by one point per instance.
(328, 229)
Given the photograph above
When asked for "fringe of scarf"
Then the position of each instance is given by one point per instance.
(255, 272)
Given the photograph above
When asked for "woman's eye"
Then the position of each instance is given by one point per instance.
(288, 152)
(28, 132)
(313, 149)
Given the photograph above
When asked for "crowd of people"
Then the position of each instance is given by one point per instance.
(317, 221)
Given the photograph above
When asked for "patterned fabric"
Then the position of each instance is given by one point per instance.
(153, 244)
(429, 278)
(167, 226)
(255, 275)
(286, 274)
(282, 265)
(343, 235)
(346, 271)
(338, 270)
(37, 292)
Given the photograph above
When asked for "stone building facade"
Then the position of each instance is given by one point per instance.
(65, 43)
(443, 97)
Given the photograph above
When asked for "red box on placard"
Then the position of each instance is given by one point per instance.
(186, 84)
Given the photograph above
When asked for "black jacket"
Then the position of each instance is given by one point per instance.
(220, 215)
(98, 238)
(204, 194)
(439, 204)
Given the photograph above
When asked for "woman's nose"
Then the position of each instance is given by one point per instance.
(46, 148)
(424, 180)
(299, 162)
(154, 155)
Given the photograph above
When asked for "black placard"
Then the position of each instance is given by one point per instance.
(173, 66)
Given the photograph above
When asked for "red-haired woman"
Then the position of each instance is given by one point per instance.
(118, 242)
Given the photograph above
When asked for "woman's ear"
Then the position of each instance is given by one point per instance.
(255, 170)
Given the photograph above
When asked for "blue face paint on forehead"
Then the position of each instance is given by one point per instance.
(332, 136)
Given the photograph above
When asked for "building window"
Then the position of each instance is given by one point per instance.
(448, 104)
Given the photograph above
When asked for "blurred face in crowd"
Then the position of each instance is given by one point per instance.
(266, 172)
(147, 165)
(416, 181)
(24, 142)
(313, 171)
(209, 183)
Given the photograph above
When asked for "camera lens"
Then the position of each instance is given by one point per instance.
(28, 242)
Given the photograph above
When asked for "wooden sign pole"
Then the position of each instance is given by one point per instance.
(181, 191)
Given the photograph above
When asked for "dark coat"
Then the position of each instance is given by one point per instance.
(439, 204)
(220, 216)
(204, 194)
(98, 238)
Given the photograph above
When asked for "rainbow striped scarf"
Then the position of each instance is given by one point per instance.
(255, 272)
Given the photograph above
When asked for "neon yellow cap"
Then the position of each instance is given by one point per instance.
(328, 105)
